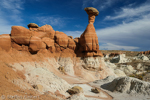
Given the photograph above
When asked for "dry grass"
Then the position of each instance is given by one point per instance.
(139, 76)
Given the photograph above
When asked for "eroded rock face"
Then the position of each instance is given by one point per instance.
(50, 33)
(120, 59)
(36, 44)
(5, 42)
(128, 85)
(21, 35)
(88, 39)
(36, 38)
(71, 44)
(61, 39)
(92, 63)
(49, 42)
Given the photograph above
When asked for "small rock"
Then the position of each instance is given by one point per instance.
(32, 25)
(75, 90)
(95, 90)
(38, 87)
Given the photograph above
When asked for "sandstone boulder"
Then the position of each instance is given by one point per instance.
(5, 42)
(36, 44)
(19, 47)
(39, 34)
(61, 39)
(95, 90)
(48, 30)
(91, 10)
(75, 90)
(71, 44)
(52, 49)
(32, 25)
(21, 35)
(45, 28)
(49, 42)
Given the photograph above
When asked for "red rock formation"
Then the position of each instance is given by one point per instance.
(41, 38)
(145, 52)
(48, 41)
(71, 44)
(32, 25)
(36, 44)
(48, 30)
(21, 35)
(89, 40)
(70, 37)
(44, 31)
(19, 47)
(5, 42)
(61, 39)
(57, 47)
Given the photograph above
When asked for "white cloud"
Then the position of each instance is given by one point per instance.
(126, 12)
(50, 20)
(110, 46)
(127, 36)
(134, 34)
(99, 4)
(53, 20)
(73, 33)
(4, 27)
(12, 4)
(11, 10)
(85, 3)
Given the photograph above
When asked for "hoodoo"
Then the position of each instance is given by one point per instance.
(88, 39)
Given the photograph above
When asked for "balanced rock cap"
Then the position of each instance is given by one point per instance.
(32, 25)
(91, 10)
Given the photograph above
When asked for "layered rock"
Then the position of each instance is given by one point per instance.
(21, 35)
(36, 44)
(5, 42)
(61, 39)
(88, 39)
(38, 38)
(128, 85)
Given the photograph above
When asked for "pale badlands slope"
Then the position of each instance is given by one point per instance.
(20, 71)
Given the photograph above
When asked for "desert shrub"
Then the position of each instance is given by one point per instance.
(139, 76)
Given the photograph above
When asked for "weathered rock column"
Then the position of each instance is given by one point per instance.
(88, 39)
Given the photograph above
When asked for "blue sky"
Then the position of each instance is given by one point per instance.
(120, 25)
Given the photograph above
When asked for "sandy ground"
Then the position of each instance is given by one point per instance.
(87, 92)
